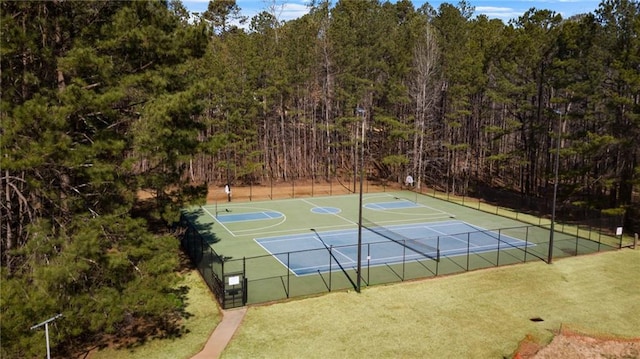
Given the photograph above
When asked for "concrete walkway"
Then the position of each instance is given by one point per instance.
(231, 320)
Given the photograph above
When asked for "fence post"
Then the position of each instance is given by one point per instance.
(577, 239)
(468, 249)
(404, 257)
(620, 242)
(245, 293)
(245, 282)
(526, 242)
(222, 295)
(330, 269)
(498, 254)
(368, 262)
(635, 241)
(439, 255)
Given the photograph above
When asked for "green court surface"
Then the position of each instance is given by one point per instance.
(234, 231)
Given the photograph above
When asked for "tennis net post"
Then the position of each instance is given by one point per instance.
(412, 244)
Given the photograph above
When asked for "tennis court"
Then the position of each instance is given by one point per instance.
(276, 249)
(385, 245)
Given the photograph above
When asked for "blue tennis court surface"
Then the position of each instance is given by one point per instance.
(325, 210)
(252, 216)
(316, 251)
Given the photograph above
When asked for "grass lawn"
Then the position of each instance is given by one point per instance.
(203, 317)
(481, 314)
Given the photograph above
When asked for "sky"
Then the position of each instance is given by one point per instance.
(494, 9)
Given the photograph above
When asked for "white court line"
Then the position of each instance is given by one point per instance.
(250, 231)
(239, 232)
(313, 237)
(413, 220)
(276, 257)
(262, 210)
(334, 214)
(348, 259)
(376, 207)
(266, 213)
(220, 223)
(453, 235)
(293, 237)
(421, 205)
(485, 232)
(295, 230)
(479, 249)
(431, 227)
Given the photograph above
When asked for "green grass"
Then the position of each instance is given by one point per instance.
(481, 314)
(269, 280)
(203, 317)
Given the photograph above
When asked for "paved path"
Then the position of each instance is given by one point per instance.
(231, 320)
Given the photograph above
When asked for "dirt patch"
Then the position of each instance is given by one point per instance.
(573, 345)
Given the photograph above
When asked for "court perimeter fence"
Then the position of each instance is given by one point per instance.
(537, 210)
(267, 278)
(527, 209)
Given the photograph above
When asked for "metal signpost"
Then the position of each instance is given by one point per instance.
(46, 330)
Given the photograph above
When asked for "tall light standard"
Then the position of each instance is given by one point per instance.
(360, 111)
(555, 187)
(227, 187)
(46, 330)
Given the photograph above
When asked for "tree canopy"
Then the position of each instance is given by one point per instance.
(107, 103)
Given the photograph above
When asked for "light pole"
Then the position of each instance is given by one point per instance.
(360, 111)
(555, 188)
(46, 330)
(227, 187)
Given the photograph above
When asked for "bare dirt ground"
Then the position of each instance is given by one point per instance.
(573, 345)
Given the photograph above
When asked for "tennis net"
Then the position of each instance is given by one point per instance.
(416, 245)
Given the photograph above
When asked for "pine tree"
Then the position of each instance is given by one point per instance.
(84, 85)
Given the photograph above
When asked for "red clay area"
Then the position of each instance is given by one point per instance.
(572, 345)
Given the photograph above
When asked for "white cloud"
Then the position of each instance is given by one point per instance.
(484, 9)
(496, 12)
(293, 11)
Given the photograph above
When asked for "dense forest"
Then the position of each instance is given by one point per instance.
(104, 100)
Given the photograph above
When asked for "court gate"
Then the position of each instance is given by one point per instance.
(234, 293)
